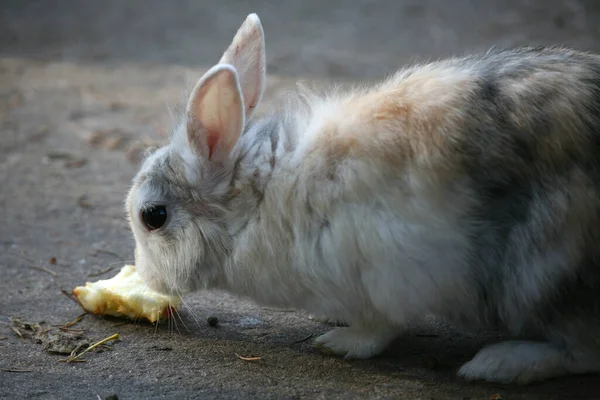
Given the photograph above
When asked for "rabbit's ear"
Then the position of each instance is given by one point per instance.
(247, 54)
(215, 112)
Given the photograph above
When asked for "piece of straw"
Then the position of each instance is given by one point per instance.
(92, 347)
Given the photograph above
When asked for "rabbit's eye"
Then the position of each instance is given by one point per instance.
(154, 217)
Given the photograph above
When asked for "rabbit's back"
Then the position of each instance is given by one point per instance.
(523, 108)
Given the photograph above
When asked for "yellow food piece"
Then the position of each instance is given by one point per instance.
(125, 295)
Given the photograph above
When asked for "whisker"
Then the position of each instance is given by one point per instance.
(169, 324)
(181, 319)
(189, 309)
(120, 262)
(175, 323)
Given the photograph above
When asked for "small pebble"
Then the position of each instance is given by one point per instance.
(212, 321)
(111, 397)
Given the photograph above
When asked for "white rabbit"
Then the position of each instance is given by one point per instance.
(467, 189)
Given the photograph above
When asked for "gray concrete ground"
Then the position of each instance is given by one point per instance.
(84, 84)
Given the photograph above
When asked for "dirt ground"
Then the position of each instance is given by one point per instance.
(85, 84)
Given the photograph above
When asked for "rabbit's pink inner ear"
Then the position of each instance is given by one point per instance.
(211, 140)
(247, 54)
(216, 110)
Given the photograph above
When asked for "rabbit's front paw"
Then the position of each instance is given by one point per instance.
(353, 342)
(523, 362)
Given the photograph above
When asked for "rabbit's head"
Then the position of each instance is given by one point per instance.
(177, 204)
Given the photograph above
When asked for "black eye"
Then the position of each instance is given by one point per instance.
(154, 217)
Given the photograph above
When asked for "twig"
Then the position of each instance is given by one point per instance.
(72, 330)
(16, 370)
(24, 257)
(248, 358)
(31, 260)
(46, 270)
(73, 322)
(76, 349)
(15, 330)
(3, 338)
(304, 339)
(110, 253)
(70, 297)
(92, 347)
(59, 155)
(105, 271)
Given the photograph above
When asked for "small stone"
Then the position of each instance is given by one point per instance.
(111, 397)
(212, 321)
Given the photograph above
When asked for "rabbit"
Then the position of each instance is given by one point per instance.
(467, 189)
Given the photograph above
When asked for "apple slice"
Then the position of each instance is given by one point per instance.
(126, 295)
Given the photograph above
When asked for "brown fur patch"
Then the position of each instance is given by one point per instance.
(404, 120)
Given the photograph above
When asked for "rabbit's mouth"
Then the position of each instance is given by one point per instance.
(151, 280)
(160, 278)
